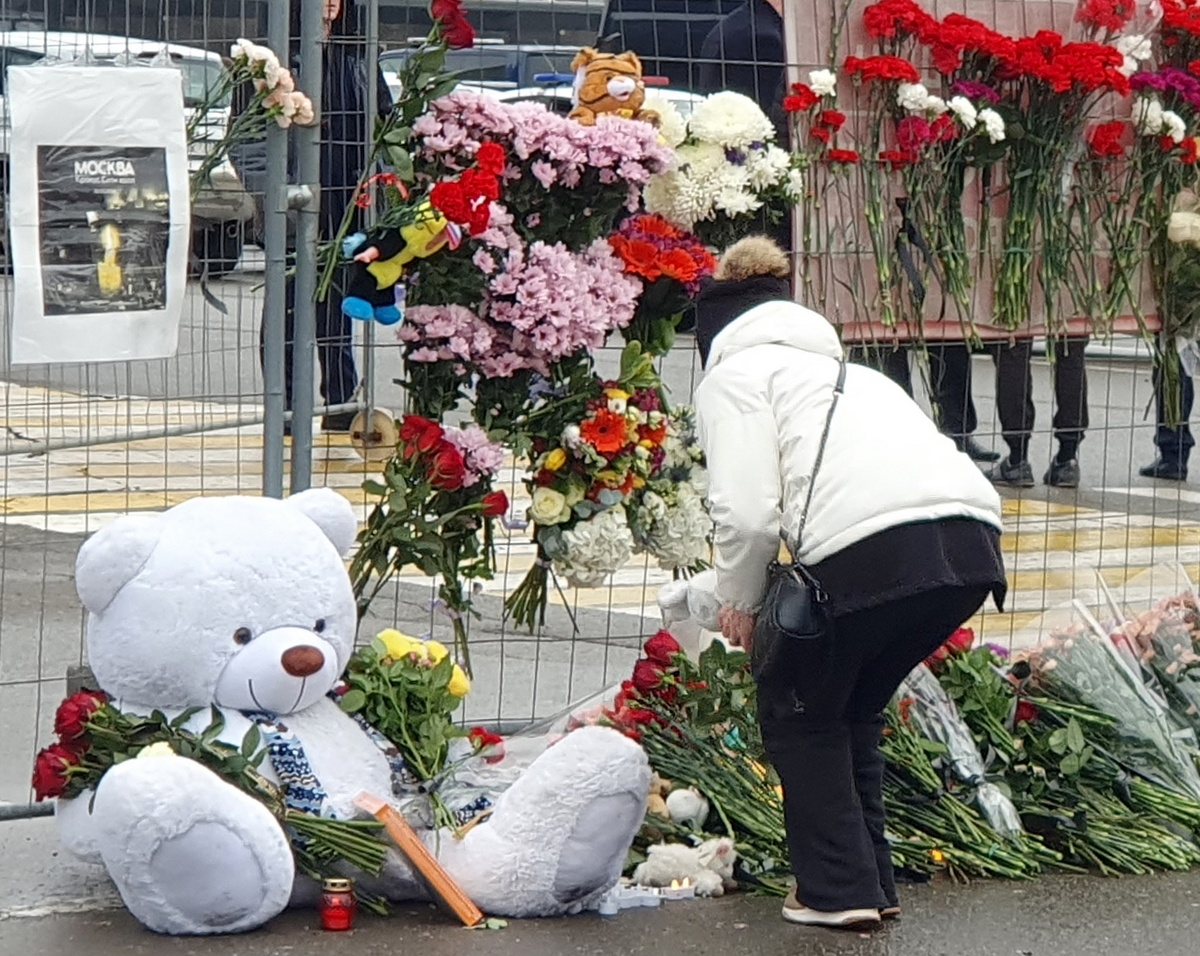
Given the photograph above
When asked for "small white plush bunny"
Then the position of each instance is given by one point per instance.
(708, 867)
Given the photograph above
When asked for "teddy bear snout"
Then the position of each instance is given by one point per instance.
(621, 88)
(303, 661)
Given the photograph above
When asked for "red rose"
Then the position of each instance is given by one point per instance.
(452, 21)
(447, 469)
(421, 433)
(491, 159)
(495, 504)
(647, 675)
(50, 771)
(1026, 713)
(70, 722)
(662, 648)
(960, 641)
(637, 715)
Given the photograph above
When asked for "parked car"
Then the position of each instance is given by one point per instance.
(556, 95)
(221, 209)
(497, 66)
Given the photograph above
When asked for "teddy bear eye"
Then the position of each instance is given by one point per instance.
(319, 627)
(242, 635)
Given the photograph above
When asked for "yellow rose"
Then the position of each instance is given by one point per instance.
(555, 460)
(609, 478)
(399, 645)
(549, 507)
(436, 651)
(639, 481)
(460, 684)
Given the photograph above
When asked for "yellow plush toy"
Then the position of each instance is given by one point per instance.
(608, 83)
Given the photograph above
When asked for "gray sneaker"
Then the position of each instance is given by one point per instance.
(1063, 474)
(1012, 474)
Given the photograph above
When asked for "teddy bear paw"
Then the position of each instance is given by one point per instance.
(189, 853)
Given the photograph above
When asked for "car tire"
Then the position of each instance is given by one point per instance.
(217, 249)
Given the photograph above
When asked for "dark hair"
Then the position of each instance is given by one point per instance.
(345, 24)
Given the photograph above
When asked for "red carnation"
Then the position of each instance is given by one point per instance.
(897, 159)
(495, 503)
(491, 159)
(50, 771)
(820, 134)
(802, 99)
(70, 722)
(1026, 713)
(832, 118)
(913, 133)
(662, 648)
(1106, 139)
(846, 156)
(882, 68)
(420, 433)
(942, 129)
(647, 675)
(447, 469)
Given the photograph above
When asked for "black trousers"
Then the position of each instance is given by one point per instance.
(1014, 393)
(1174, 441)
(820, 715)
(335, 354)
(950, 380)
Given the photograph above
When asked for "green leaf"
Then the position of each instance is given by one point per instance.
(251, 741)
(401, 161)
(1058, 741)
(178, 722)
(372, 487)
(1071, 764)
(353, 701)
(1075, 739)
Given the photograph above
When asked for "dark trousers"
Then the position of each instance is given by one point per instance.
(949, 380)
(820, 713)
(1174, 441)
(1014, 395)
(335, 355)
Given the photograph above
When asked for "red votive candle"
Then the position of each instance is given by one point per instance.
(338, 905)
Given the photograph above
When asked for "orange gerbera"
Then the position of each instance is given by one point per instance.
(640, 257)
(678, 264)
(657, 226)
(606, 432)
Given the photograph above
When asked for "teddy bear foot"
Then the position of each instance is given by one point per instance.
(189, 853)
(559, 837)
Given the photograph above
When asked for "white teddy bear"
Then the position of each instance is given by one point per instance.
(244, 603)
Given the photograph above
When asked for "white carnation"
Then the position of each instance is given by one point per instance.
(672, 127)
(730, 120)
(936, 105)
(1135, 46)
(795, 184)
(1148, 116)
(1173, 126)
(912, 97)
(823, 82)
(965, 110)
(595, 549)
(993, 124)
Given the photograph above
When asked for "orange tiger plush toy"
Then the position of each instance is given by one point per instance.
(608, 83)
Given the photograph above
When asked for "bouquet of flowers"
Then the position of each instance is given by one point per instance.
(727, 172)
(671, 264)
(94, 736)
(435, 512)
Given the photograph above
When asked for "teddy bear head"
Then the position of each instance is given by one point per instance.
(240, 602)
(608, 82)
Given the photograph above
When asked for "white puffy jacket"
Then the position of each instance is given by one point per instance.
(761, 408)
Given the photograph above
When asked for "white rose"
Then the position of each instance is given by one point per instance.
(1173, 126)
(1184, 227)
(160, 749)
(965, 110)
(912, 97)
(549, 507)
(993, 124)
(823, 82)
(1148, 116)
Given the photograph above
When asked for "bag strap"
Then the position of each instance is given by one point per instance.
(812, 481)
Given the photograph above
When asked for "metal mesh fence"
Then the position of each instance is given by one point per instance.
(84, 444)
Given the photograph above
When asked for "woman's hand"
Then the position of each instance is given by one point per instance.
(737, 626)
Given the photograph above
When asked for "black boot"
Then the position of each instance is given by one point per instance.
(1165, 470)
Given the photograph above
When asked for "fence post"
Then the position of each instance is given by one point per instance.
(275, 290)
(308, 162)
(372, 104)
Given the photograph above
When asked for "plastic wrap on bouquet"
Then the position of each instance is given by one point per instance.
(938, 719)
(1079, 664)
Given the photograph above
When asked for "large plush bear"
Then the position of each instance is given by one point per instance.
(244, 603)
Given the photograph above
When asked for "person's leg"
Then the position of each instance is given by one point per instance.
(950, 382)
(289, 335)
(1070, 395)
(1014, 396)
(1174, 441)
(335, 353)
(868, 782)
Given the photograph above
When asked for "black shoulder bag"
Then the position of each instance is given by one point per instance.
(796, 608)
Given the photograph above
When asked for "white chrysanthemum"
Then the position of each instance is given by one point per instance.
(795, 184)
(680, 539)
(823, 82)
(993, 124)
(1184, 227)
(730, 120)
(735, 201)
(1148, 116)
(672, 127)
(912, 97)
(965, 110)
(595, 549)
(767, 167)
(1173, 126)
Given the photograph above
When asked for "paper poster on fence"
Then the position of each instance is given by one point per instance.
(99, 215)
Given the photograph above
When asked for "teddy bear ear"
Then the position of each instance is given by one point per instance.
(632, 59)
(583, 58)
(330, 512)
(113, 556)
